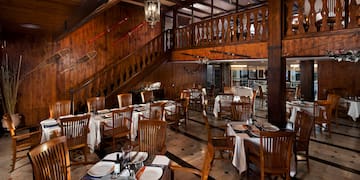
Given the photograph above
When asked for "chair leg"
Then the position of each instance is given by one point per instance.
(13, 161)
(329, 127)
(84, 150)
(307, 160)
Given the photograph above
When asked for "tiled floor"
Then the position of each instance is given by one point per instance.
(330, 158)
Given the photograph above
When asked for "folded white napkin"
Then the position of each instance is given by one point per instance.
(161, 160)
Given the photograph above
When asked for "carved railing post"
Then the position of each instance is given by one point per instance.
(354, 13)
(338, 15)
(312, 17)
(301, 28)
(289, 17)
(255, 23)
(324, 15)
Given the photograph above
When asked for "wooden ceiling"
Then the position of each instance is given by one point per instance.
(43, 16)
(56, 17)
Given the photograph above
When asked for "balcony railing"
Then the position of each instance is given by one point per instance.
(312, 16)
(246, 26)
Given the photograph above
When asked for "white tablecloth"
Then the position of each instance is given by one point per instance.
(239, 158)
(94, 136)
(354, 108)
(295, 106)
(216, 109)
(242, 91)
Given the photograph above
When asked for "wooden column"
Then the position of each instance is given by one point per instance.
(307, 80)
(276, 66)
(226, 74)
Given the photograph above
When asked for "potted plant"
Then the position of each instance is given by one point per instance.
(9, 84)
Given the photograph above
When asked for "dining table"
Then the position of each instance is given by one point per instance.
(294, 106)
(51, 126)
(236, 98)
(242, 132)
(354, 106)
(137, 165)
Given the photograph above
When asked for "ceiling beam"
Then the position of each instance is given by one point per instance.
(217, 7)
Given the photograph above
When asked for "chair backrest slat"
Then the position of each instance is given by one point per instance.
(124, 99)
(50, 160)
(147, 96)
(95, 103)
(75, 129)
(60, 108)
(276, 150)
(152, 136)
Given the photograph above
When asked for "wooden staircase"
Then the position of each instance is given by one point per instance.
(123, 74)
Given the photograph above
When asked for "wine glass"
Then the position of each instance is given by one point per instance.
(126, 149)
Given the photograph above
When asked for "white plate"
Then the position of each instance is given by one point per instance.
(151, 173)
(271, 128)
(101, 169)
(140, 157)
(112, 156)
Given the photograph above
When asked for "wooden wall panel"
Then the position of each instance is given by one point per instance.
(332, 74)
(52, 82)
(319, 45)
(176, 76)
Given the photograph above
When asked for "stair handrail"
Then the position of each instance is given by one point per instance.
(108, 67)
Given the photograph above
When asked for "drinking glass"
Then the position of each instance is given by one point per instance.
(126, 149)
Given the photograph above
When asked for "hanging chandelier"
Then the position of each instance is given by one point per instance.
(342, 55)
(152, 11)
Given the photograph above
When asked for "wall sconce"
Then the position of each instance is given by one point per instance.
(152, 11)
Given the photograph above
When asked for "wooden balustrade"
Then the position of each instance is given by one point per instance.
(329, 15)
(247, 26)
(115, 75)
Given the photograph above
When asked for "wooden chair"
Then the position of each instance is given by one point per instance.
(240, 111)
(124, 99)
(262, 96)
(252, 99)
(120, 127)
(147, 96)
(152, 136)
(219, 143)
(225, 105)
(95, 103)
(322, 115)
(51, 160)
(334, 102)
(184, 102)
(76, 129)
(205, 170)
(60, 108)
(156, 111)
(228, 90)
(185, 94)
(196, 99)
(172, 117)
(275, 153)
(21, 142)
(303, 126)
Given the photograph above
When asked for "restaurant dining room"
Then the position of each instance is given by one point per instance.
(180, 89)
